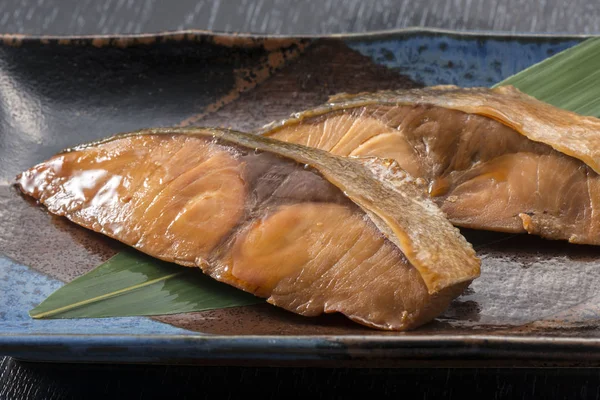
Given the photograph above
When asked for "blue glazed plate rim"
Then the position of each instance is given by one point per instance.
(182, 348)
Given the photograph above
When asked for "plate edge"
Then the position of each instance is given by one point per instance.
(190, 34)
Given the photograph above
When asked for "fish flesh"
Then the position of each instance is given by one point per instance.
(493, 159)
(310, 231)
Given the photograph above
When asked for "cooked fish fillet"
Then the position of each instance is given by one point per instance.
(493, 159)
(309, 231)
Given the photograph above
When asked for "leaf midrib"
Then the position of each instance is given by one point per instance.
(105, 296)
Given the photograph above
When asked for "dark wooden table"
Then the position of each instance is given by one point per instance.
(20, 380)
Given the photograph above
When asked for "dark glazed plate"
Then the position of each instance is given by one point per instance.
(536, 300)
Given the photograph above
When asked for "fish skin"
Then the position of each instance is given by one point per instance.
(460, 140)
(165, 192)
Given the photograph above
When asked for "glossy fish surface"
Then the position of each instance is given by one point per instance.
(493, 159)
(311, 232)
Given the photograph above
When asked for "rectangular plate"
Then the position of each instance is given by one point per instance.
(536, 300)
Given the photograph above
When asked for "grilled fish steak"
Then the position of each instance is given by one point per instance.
(310, 231)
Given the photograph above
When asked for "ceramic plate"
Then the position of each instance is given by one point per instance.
(536, 301)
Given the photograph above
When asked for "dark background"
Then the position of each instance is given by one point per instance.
(19, 380)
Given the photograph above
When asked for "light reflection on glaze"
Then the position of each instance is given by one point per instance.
(80, 182)
(24, 108)
(526, 279)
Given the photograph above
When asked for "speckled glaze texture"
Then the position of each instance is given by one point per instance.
(536, 300)
(462, 61)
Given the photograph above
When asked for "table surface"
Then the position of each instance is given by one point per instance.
(88, 17)
(20, 380)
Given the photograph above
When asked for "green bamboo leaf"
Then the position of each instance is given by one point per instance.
(567, 80)
(132, 283)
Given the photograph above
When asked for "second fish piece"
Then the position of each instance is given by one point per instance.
(493, 159)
